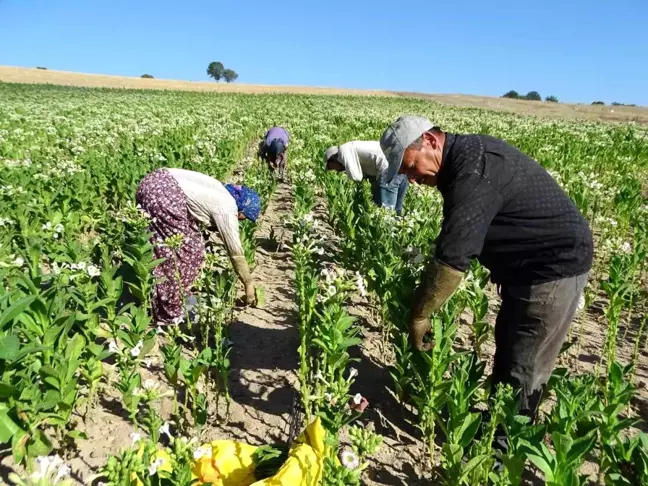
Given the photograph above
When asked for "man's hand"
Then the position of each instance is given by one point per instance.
(419, 327)
(250, 295)
(438, 284)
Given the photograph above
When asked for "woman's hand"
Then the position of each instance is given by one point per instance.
(250, 295)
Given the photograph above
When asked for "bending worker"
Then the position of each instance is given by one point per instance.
(273, 149)
(504, 209)
(360, 160)
(177, 200)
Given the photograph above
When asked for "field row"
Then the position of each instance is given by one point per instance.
(76, 264)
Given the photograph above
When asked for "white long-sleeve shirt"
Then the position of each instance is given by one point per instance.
(211, 204)
(362, 159)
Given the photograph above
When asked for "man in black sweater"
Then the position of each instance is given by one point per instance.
(504, 209)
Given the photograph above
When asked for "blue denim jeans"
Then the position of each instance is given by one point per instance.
(390, 195)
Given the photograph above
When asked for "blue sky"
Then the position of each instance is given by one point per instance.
(577, 50)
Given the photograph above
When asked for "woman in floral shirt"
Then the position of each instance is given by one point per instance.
(177, 200)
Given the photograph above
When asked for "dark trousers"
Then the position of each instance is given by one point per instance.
(531, 327)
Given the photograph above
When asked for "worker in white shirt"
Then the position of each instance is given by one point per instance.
(177, 200)
(365, 160)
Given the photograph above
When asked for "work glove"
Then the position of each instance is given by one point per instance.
(438, 284)
(250, 295)
(243, 271)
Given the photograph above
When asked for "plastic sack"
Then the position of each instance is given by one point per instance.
(231, 463)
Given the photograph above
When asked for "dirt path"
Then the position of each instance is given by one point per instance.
(265, 339)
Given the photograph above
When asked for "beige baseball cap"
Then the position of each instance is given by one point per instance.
(400, 135)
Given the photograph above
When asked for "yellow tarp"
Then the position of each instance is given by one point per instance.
(231, 463)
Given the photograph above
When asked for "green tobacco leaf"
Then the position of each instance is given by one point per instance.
(9, 347)
(543, 465)
(260, 296)
(473, 464)
(10, 313)
(39, 445)
(74, 347)
(19, 445)
(77, 435)
(348, 342)
(580, 447)
(469, 428)
(8, 428)
(7, 390)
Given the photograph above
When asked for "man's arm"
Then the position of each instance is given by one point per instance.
(469, 206)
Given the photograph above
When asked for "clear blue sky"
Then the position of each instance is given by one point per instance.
(577, 50)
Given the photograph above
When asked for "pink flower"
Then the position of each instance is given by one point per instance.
(359, 403)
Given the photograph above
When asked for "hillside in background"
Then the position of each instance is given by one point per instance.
(11, 74)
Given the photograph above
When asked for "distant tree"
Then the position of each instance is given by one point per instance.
(616, 103)
(511, 94)
(230, 75)
(147, 76)
(551, 99)
(216, 70)
(533, 96)
(41, 67)
(598, 103)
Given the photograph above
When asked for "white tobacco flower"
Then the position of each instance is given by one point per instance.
(135, 352)
(94, 271)
(59, 228)
(50, 467)
(581, 302)
(63, 472)
(353, 373)
(360, 284)
(135, 437)
(418, 259)
(319, 251)
(165, 430)
(626, 248)
(357, 399)
(154, 466)
(19, 262)
(349, 459)
(150, 384)
(112, 347)
(202, 452)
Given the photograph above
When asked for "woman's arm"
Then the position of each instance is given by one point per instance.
(228, 227)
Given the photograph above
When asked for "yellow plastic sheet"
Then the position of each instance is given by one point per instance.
(231, 463)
